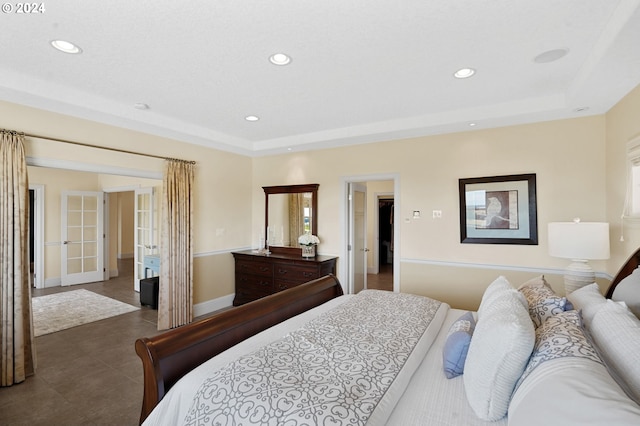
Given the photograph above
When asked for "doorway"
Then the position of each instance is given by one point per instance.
(382, 186)
(381, 277)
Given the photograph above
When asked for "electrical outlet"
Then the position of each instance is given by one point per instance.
(437, 214)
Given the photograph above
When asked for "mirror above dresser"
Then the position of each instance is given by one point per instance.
(290, 211)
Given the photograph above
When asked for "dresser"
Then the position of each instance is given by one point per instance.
(259, 275)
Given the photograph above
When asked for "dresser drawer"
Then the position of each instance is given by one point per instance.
(255, 283)
(251, 287)
(254, 268)
(296, 273)
(284, 284)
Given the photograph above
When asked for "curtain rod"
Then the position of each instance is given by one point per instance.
(107, 148)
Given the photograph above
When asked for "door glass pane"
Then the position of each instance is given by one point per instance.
(90, 264)
(90, 249)
(90, 219)
(74, 250)
(74, 234)
(74, 202)
(74, 266)
(74, 218)
(143, 219)
(143, 201)
(90, 203)
(90, 234)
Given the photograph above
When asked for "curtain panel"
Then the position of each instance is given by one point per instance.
(16, 332)
(175, 299)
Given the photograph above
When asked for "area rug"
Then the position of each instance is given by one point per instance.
(59, 311)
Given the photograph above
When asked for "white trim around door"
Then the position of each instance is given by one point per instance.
(345, 181)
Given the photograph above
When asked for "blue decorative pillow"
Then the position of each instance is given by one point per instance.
(457, 344)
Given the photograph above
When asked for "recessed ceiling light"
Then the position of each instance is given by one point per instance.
(66, 46)
(141, 106)
(550, 56)
(581, 109)
(472, 124)
(280, 59)
(252, 118)
(464, 73)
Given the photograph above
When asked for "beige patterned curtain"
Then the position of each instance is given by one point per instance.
(175, 300)
(296, 223)
(16, 333)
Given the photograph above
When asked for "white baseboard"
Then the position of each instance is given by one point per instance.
(53, 282)
(213, 305)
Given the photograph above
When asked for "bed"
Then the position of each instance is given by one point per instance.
(312, 355)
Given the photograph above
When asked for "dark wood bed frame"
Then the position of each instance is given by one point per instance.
(170, 355)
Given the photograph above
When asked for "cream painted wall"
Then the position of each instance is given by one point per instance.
(567, 156)
(222, 190)
(125, 224)
(56, 181)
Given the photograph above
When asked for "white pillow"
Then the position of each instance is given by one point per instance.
(628, 290)
(500, 348)
(499, 286)
(587, 299)
(616, 332)
(572, 392)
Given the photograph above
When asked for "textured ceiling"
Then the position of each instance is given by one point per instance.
(362, 70)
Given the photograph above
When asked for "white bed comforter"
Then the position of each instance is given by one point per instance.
(346, 362)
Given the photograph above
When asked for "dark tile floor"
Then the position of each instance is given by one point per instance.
(86, 375)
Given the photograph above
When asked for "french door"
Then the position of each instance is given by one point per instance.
(82, 234)
(146, 232)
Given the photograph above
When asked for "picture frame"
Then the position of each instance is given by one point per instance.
(499, 210)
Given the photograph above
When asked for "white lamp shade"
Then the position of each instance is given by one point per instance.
(579, 240)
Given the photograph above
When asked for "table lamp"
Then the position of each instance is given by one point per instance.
(580, 242)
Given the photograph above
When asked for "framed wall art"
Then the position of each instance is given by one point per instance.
(499, 210)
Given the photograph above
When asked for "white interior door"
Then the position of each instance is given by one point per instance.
(82, 236)
(358, 236)
(146, 232)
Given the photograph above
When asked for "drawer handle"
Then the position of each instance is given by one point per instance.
(283, 271)
(307, 274)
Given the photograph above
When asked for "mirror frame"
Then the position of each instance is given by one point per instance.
(291, 189)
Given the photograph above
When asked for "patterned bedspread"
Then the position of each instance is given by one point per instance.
(332, 371)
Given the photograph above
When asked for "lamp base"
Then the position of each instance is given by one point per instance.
(577, 275)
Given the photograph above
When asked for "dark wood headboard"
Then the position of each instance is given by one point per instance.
(630, 265)
(170, 355)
